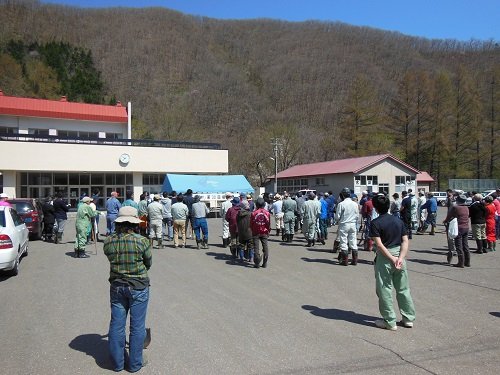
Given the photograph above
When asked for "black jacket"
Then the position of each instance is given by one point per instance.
(244, 229)
(477, 213)
(60, 208)
(48, 213)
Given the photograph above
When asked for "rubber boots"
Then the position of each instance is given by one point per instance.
(485, 245)
(460, 263)
(354, 260)
(467, 259)
(343, 258)
(264, 263)
(479, 244)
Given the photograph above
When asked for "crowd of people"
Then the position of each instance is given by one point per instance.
(385, 225)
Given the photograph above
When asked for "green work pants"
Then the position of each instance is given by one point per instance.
(387, 276)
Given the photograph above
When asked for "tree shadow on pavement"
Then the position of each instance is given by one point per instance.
(495, 313)
(337, 314)
(94, 345)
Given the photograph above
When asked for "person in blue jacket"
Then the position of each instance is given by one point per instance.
(431, 206)
(331, 207)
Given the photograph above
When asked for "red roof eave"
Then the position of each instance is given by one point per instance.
(62, 115)
(61, 109)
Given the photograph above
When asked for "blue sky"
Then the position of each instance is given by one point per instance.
(443, 19)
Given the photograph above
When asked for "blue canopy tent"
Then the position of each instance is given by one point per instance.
(206, 184)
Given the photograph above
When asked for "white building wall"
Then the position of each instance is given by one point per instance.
(81, 157)
(387, 171)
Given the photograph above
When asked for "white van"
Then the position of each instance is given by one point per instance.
(440, 196)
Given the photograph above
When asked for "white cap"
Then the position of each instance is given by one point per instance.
(3, 195)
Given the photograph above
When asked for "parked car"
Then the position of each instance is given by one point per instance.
(14, 240)
(487, 193)
(31, 212)
(305, 192)
(440, 197)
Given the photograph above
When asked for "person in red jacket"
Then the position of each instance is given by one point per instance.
(260, 222)
(231, 218)
(490, 223)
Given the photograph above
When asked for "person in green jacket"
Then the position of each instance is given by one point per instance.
(83, 221)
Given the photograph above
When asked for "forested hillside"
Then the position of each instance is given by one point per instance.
(325, 90)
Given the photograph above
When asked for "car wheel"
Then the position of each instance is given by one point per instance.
(26, 249)
(14, 271)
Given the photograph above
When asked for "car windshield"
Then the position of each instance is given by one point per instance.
(23, 207)
(2, 218)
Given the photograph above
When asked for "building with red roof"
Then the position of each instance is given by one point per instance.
(51, 146)
(371, 173)
(424, 181)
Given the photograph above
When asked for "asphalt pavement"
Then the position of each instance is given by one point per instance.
(304, 314)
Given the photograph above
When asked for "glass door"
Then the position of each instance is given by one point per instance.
(74, 196)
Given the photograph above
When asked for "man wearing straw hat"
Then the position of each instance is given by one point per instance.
(129, 255)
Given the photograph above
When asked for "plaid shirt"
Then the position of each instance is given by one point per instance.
(129, 256)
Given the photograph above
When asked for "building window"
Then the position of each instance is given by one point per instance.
(365, 180)
(39, 132)
(67, 133)
(114, 136)
(383, 188)
(292, 185)
(320, 181)
(72, 185)
(7, 130)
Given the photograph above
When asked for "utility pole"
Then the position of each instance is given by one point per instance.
(275, 142)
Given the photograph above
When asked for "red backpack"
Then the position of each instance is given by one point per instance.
(260, 222)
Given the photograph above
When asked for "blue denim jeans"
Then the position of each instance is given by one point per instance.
(124, 299)
(200, 225)
(168, 227)
(110, 224)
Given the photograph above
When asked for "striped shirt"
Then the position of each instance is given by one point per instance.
(129, 256)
